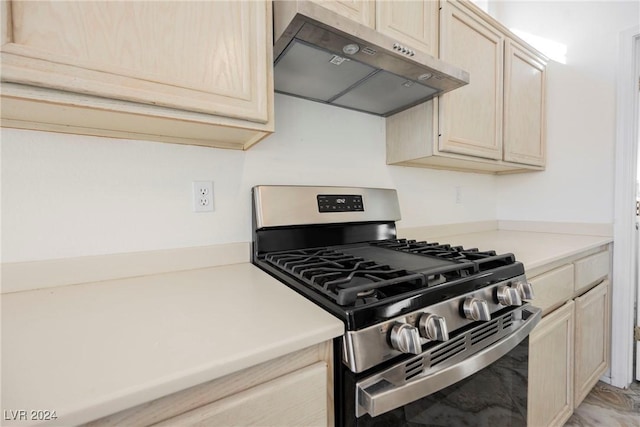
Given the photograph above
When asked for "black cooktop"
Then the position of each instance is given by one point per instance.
(380, 279)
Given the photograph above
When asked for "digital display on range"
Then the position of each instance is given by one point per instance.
(340, 203)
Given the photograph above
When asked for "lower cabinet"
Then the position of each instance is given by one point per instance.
(569, 350)
(592, 339)
(551, 373)
(292, 400)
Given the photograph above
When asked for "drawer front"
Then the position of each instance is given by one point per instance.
(553, 288)
(591, 270)
(296, 399)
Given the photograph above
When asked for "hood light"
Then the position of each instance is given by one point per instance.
(351, 49)
(425, 76)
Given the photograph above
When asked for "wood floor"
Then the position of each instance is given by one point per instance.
(608, 406)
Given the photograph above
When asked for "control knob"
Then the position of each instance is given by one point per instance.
(476, 309)
(433, 327)
(525, 289)
(405, 338)
(508, 296)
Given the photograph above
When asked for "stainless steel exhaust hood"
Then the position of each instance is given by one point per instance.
(350, 65)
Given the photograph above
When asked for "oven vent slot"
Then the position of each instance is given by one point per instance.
(507, 321)
(413, 368)
(448, 351)
(414, 363)
(480, 335)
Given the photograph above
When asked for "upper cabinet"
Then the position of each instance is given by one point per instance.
(361, 11)
(471, 116)
(412, 23)
(188, 72)
(496, 123)
(524, 100)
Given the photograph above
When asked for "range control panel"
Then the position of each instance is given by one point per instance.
(340, 203)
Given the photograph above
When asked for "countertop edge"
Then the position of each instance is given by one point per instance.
(569, 254)
(180, 382)
(321, 327)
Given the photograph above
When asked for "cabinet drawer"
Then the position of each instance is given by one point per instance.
(590, 270)
(298, 398)
(553, 288)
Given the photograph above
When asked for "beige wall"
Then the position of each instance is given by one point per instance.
(578, 185)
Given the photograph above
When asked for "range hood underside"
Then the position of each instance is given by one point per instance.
(306, 71)
(310, 64)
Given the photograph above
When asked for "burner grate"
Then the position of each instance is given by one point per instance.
(357, 275)
(485, 260)
(346, 279)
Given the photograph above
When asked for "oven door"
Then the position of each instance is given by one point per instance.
(478, 377)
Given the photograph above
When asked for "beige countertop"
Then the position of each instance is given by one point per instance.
(87, 351)
(533, 249)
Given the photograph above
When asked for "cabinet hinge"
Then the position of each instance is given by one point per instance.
(636, 333)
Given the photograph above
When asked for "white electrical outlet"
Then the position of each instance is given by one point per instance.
(458, 195)
(203, 196)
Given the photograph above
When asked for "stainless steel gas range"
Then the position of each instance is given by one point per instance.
(435, 334)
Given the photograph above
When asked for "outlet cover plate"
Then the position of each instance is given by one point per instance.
(202, 195)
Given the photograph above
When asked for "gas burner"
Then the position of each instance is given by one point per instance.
(366, 293)
(369, 296)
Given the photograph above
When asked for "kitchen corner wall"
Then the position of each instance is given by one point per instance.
(70, 195)
(578, 185)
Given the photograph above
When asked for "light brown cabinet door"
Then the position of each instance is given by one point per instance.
(414, 23)
(550, 400)
(524, 115)
(471, 116)
(592, 339)
(210, 57)
(361, 11)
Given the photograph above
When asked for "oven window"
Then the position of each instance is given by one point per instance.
(493, 396)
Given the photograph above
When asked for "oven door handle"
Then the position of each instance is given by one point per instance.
(380, 397)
